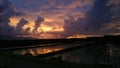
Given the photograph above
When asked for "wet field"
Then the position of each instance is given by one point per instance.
(90, 54)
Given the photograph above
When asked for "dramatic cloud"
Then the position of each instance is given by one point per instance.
(98, 16)
(38, 22)
(74, 26)
(6, 12)
(59, 18)
(53, 9)
(19, 27)
(102, 18)
(50, 4)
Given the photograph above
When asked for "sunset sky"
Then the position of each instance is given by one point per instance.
(59, 18)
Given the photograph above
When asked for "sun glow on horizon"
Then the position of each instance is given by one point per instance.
(82, 36)
(46, 30)
(76, 36)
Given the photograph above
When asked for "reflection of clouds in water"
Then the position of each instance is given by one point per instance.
(44, 50)
(21, 52)
(37, 51)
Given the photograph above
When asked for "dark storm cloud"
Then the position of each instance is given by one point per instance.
(102, 18)
(114, 25)
(102, 14)
(6, 12)
(38, 22)
(99, 15)
(73, 26)
(19, 26)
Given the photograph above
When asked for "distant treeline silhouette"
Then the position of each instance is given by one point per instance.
(29, 42)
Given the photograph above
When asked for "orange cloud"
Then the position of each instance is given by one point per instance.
(14, 21)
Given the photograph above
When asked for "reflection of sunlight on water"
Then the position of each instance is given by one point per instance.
(44, 50)
(38, 51)
(102, 54)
